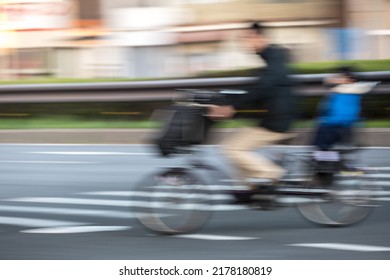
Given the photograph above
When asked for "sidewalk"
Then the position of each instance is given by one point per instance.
(367, 136)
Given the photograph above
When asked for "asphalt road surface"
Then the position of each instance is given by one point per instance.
(72, 202)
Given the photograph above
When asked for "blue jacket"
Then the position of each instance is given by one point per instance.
(340, 109)
(343, 105)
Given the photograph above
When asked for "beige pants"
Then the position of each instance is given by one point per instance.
(239, 149)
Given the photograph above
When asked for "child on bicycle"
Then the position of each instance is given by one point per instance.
(340, 110)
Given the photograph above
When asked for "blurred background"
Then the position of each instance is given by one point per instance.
(90, 71)
(173, 38)
(72, 41)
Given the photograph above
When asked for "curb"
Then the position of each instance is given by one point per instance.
(366, 136)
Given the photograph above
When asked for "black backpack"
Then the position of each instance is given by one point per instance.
(183, 126)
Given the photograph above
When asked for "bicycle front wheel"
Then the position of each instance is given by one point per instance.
(172, 202)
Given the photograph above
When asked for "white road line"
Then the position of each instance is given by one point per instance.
(306, 146)
(380, 193)
(68, 211)
(147, 145)
(379, 176)
(225, 196)
(125, 203)
(74, 145)
(159, 194)
(224, 207)
(381, 198)
(77, 229)
(65, 200)
(374, 183)
(341, 246)
(30, 222)
(297, 200)
(46, 162)
(378, 183)
(374, 148)
(111, 193)
(379, 168)
(214, 237)
(85, 153)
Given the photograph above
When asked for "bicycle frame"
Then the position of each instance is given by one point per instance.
(188, 189)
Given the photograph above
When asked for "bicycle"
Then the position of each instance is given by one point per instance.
(333, 190)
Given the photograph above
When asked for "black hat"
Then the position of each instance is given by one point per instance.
(347, 70)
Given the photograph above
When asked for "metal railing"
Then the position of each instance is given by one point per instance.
(307, 85)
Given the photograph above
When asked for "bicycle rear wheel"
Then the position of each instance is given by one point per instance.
(349, 201)
(172, 202)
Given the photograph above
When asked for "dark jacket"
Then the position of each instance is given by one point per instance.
(272, 92)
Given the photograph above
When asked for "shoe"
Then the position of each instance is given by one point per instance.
(261, 185)
(243, 197)
(256, 186)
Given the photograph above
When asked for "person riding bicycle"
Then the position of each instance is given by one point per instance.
(340, 110)
(273, 91)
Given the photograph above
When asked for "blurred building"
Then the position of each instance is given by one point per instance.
(373, 17)
(86, 38)
(29, 31)
(314, 30)
(156, 38)
(140, 36)
(212, 42)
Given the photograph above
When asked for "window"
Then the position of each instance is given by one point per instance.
(26, 62)
(89, 9)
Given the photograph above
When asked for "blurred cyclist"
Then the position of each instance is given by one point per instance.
(340, 110)
(273, 91)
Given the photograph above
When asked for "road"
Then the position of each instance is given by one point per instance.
(71, 202)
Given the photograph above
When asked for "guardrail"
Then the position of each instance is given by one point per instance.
(307, 85)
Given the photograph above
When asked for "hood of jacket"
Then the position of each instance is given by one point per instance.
(354, 88)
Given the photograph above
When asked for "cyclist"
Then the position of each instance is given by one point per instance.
(273, 91)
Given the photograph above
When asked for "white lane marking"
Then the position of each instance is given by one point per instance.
(379, 176)
(148, 145)
(380, 183)
(68, 211)
(381, 198)
(214, 237)
(225, 196)
(47, 162)
(124, 203)
(224, 207)
(374, 148)
(379, 168)
(159, 194)
(75, 145)
(341, 246)
(85, 153)
(111, 193)
(77, 229)
(30, 222)
(379, 193)
(298, 200)
(377, 183)
(310, 147)
(64, 200)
